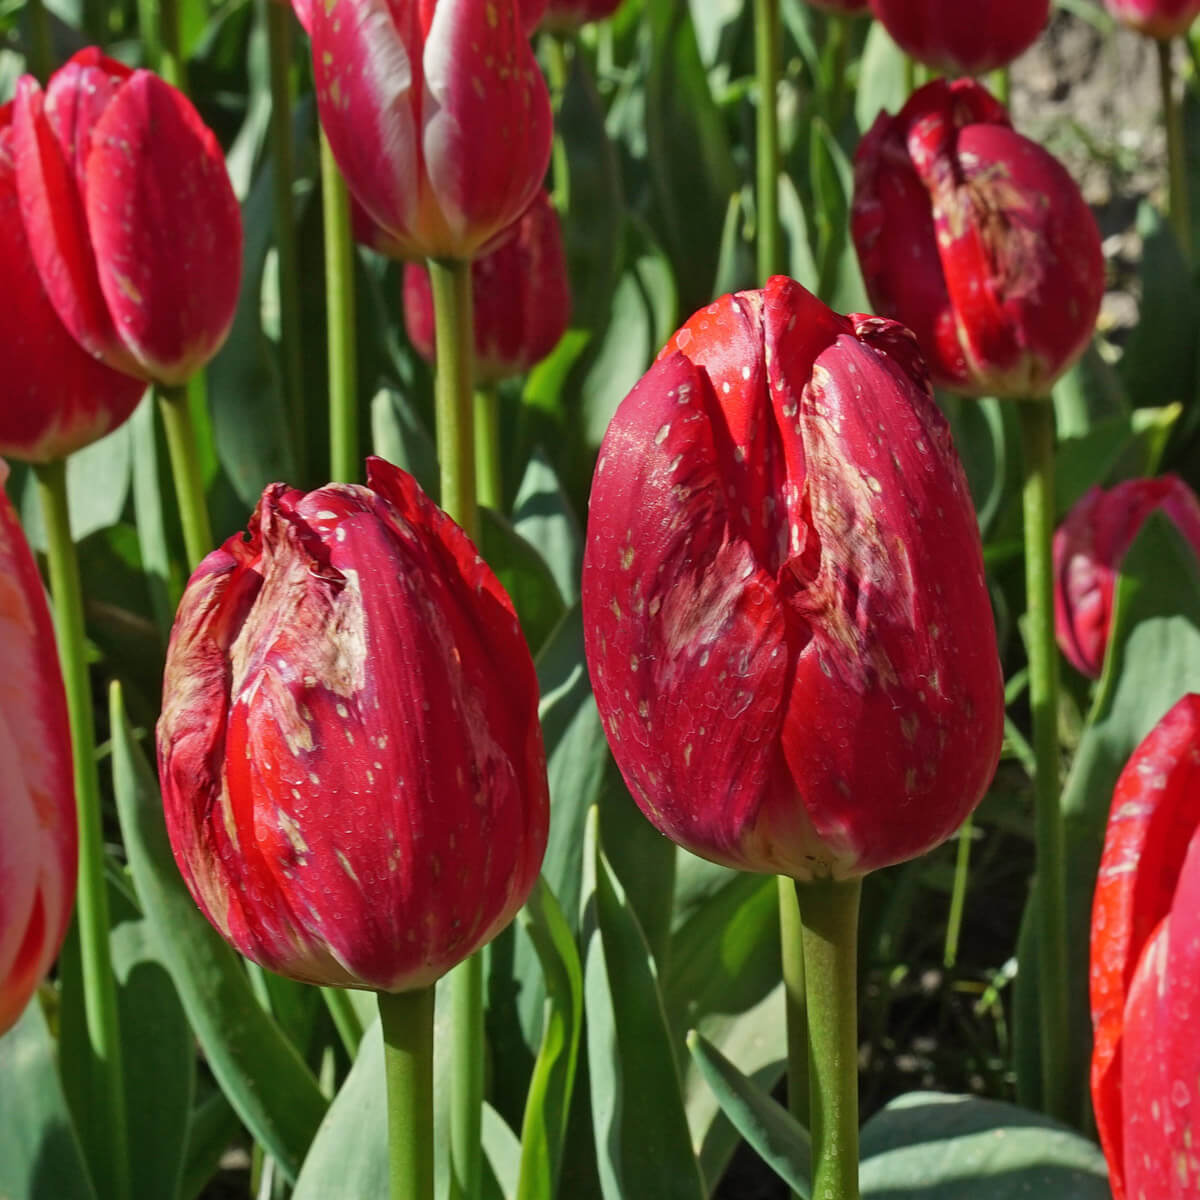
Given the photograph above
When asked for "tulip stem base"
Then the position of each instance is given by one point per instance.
(1037, 438)
(106, 1088)
(829, 919)
(490, 481)
(407, 1021)
(767, 53)
(1177, 167)
(791, 945)
(185, 467)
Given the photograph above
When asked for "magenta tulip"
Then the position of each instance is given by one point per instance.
(963, 38)
(1155, 18)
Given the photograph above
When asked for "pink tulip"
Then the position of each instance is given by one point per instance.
(963, 38)
(1155, 18)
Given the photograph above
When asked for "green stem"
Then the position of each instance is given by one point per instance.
(339, 312)
(1180, 212)
(791, 946)
(910, 74)
(185, 467)
(171, 65)
(279, 25)
(407, 1020)
(490, 482)
(466, 1089)
(839, 37)
(1001, 85)
(958, 897)
(1037, 436)
(99, 986)
(41, 52)
(454, 334)
(766, 65)
(829, 915)
(345, 1018)
(558, 72)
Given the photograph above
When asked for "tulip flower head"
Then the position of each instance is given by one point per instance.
(522, 300)
(1145, 967)
(351, 761)
(1155, 18)
(37, 806)
(978, 240)
(566, 16)
(129, 216)
(963, 38)
(1088, 549)
(786, 620)
(437, 114)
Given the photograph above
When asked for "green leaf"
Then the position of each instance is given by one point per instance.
(543, 516)
(524, 574)
(881, 78)
(943, 1147)
(1089, 394)
(213, 1125)
(399, 436)
(39, 1152)
(642, 1142)
(259, 1070)
(779, 1140)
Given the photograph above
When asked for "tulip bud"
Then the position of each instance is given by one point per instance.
(1088, 549)
(1155, 18)
(57, 398)
(786, 619)
(437, 114)
(521, 297)
(1145, 968)
(566, 16)
(351, 762)
(37, 806)
(130, 216)
(978, 240)
(963, 39)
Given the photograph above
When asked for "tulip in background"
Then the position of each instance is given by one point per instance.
(37, 804)
(963, 38)
(566, 16)
(522, 300)
(978, 240)
(1155, 18)
(786, 619)
(1088, 549)
(129, 216)
(349, 749)
(1145, 968)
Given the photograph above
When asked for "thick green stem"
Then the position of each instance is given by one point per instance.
(278, 21)
(1037, 436)
(99, 987)
(558, 72)
(466, 1090)
(958, 897)
(791, 946)
(767, 52)
(1180, 213)
(185, 468)
(490, 481)
(339, 314)
(41, 52)
(407, 1020)
(829, 916)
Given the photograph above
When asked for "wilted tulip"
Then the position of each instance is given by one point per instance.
(1145, 972)
(437, 114)
(351, 762)
(37, 805)
(1155, 18)
(786, 619)
(566, 16)
(129, 214)
(57, 397)
(978, 240)
(963, 39)
(522, 300)
(1088, 549)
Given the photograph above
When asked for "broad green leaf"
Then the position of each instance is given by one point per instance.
(543, 516)
(212, 1127)
(736, 269)
(1089, 394)
(985, 435)
(259, 1070)
(943, 1147)
(840, 282)
(795, 225)
(501, 1156)
(399, 435)
(40, 1158)
(881, 78)
(525, 575)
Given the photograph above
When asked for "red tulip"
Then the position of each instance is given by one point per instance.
(352, 767)
(1088, 549)
(978, 240)
(437, 114)
(57, 397)
(37, 806)
(1155, 18)
(785, 613)
(129, 215)
(522, 298)
(566, 16)
(963, 39)
(1145, 973)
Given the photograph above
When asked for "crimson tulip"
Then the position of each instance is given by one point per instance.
(978, 240)
(1145, 966)
(566, 16)
(129, 215)
(58, 398)
(37, 808)
(1155, 18)
(786, 619)
(437, 114)
(522, 300)
(1088, 549)
(963, 39)
(351, 762)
